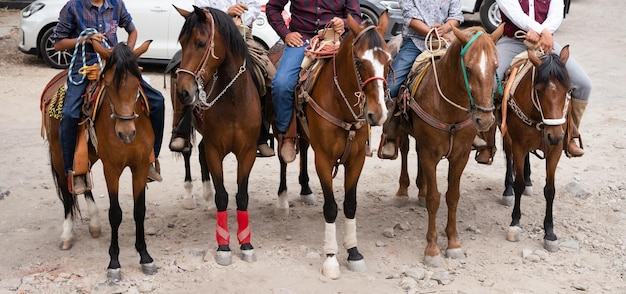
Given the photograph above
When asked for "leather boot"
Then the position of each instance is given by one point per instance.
(577, 109)
(485, 153)
(181, 132)
(287, 141)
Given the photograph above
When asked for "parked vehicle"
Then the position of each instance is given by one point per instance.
(372, 9)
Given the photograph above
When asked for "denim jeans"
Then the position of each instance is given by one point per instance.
(402, 66)
(284, 85)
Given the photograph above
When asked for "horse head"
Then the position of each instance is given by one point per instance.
(372, 63)
(121, 78)
(478, 61)
(551, 92)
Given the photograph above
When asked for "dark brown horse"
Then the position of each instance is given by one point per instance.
(537, 112)
(216, 76)
(124, 139)
(444, 110)
(348, 95)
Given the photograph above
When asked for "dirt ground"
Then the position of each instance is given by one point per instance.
(590, 207)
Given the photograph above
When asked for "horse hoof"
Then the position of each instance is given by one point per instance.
(456, 253)
(528, 191)
(66, 245)
(114, 275)
(400, 202)
(308, 199)
(357, 266)
(433, 261)
(95, 231)
(248, 255)
(421, 201)
(513, 234)
(330, 269)
(189, 203)
(149, 268)
(508, 200)
(551, 246)
(224, 258)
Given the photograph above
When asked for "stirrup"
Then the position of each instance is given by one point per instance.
(384, 142)
(487, 161)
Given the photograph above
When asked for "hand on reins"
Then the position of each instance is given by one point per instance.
(294, 39)
(237, 9)
(338, 25)
(96, 38)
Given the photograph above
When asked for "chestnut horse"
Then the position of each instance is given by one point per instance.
(216, 76)
(537, 112)
(453, 101)
(124, 139)
(348, 95)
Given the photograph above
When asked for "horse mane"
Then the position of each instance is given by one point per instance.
(552, 67)
(471, 31)
(375, 40)
(124, 60)
(223, 23)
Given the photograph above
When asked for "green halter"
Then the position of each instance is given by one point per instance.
(463, 51)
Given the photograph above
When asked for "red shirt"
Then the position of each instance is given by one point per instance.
(309, 16)
(541, 13)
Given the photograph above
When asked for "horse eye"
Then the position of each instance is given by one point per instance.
(201, 44)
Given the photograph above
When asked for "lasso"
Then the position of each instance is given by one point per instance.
(87, 32)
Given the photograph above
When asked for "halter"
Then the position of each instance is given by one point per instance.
(199, 72)
(469, 93)
(114, 115)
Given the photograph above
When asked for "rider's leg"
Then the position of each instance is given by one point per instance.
(157, 118)
(68, 128)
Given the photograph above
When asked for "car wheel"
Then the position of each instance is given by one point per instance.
(56, 59)
(490, 15)
(369, 15)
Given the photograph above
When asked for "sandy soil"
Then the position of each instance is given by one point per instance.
(590, 208)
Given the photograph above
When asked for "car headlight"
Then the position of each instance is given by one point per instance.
(32, 8)
(391, 5)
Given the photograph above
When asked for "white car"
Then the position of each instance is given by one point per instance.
(155, 20)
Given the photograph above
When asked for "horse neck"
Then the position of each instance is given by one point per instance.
(341, 68)
(450, 77)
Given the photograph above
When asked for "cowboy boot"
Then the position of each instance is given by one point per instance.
(287, 141)
(577, 110)
(180, 133)
(485, 153)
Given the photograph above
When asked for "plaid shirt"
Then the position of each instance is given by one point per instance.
(78, 15)
(309, 16)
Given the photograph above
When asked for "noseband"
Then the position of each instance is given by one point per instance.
(114, 115)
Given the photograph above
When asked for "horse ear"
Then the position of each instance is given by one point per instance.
(201, 13)
(182, 12)
(353, 25)
(142, 49)
(99, 48)
(564, 54)
(383, 22)
(533, 58)
(495, 35)
(460, 35)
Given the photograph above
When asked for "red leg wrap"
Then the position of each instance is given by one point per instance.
(243, 231)
(221, 231)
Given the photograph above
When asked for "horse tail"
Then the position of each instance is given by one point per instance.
(67, 198)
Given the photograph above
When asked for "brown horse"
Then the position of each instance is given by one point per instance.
(348, 95)
(124, 139)
(452, 101)
(216, 76)
(537, 112)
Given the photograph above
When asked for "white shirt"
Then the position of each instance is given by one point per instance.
(513, 10)
(247, 18)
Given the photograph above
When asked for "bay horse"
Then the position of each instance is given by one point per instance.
(124, 139)
(216, 75)
(348, 95)
(536, 119)
(443, 112)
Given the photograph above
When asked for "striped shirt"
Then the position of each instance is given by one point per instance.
(309, 16)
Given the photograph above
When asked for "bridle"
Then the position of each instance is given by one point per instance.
(199, 72)
(114, 115)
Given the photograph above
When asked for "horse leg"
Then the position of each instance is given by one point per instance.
(455, 170)
(306, 195)
(282, 205)
(115, 219)
(402, 195)
(428, 174)
(214, 163)
(507, 195)
(550, 239)
(94, 216)
(353, 169)
(528, 190)
(513, 233)
(69, 210)
(207, 190)
(245, 162)
(330, 268)
(189, 202)
(139, 214)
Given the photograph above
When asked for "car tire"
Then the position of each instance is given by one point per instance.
(490, 15)
(56, 59)
(368, 14)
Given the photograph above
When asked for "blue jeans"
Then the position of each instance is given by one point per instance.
(284, 85)
(402, 66)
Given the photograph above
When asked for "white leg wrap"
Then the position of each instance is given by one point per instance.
(330, 239)
(349, 240)
(94, 216)
(67, 229)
